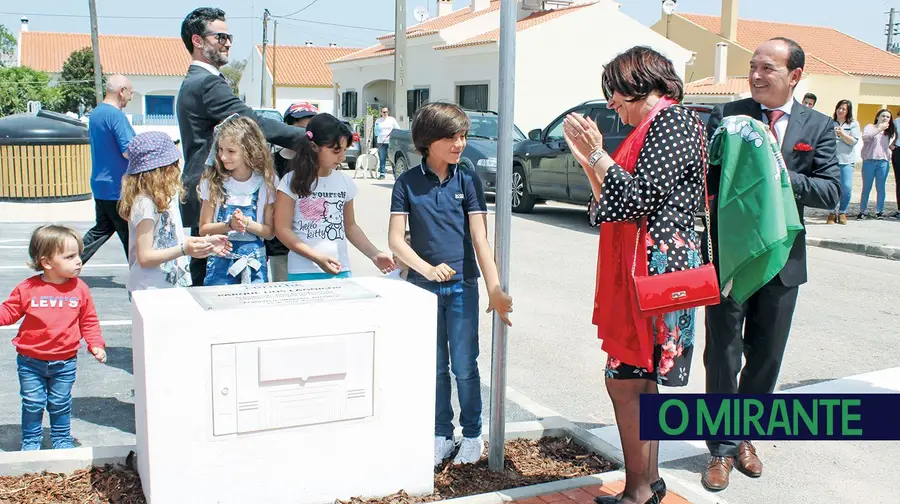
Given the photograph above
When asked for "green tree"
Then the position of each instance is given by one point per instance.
(7, 47)
(77, 81)
(19, 85)
(233, 72)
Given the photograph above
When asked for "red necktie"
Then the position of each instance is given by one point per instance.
(774, 116)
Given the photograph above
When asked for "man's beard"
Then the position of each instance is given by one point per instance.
(217, 58)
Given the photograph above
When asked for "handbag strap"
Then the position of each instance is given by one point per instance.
(645, 223)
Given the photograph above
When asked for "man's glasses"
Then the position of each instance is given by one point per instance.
(221, 37)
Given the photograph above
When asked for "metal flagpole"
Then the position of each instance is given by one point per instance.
(503, 221)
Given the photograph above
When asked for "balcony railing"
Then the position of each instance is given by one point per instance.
(154, 120)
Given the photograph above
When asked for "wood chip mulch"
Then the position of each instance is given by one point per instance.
(99, 485)
(527, 462)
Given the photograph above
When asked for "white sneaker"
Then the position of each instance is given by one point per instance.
(470, 451)
(443, 447)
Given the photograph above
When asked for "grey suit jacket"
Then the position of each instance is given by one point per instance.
(815, 175)
(204, 100)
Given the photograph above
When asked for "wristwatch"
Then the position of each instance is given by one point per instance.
(596, 155)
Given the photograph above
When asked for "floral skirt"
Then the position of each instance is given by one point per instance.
(674, 335)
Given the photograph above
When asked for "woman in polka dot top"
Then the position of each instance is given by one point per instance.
(654, 181)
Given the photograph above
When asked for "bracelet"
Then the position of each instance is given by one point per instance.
(596, 155)
(182, 249)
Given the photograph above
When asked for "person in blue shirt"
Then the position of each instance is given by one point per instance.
(110, 133)
(443, 203)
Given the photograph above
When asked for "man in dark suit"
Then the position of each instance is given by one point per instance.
(204, 100)
(759, 328)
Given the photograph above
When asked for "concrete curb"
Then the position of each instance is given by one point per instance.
(879, 251)
(18, 463)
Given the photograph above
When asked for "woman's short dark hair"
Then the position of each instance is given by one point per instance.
(437, 121)
(640, 71)
(849, 105)
(197, 22)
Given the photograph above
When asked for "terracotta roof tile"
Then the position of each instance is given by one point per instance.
(304, 66)
(731, 86)
(125, 54)
(833, 52)
(522, 24)
(434, 25)
(376, 51)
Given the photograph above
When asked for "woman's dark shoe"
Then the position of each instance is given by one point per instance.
(658, 487)
(614, 499)
(860, 216)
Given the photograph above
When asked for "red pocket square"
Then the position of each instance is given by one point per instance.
(803, 147)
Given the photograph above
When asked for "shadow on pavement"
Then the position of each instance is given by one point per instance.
(101, 282)
(106, 411)
(120, 358)
(571, 218)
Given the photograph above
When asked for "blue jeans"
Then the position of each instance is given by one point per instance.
(846, 187)
(382, 158)
(877, 170)
(46, 384)
(457, 349)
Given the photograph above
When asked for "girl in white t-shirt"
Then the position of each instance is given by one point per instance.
(151, 191)
(237, 191)
(314, 215)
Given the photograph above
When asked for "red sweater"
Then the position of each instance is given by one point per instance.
(57, 316)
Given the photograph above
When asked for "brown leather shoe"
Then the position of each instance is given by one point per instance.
(716, 476)
(842, 219)
(831, 219)
(748, 462)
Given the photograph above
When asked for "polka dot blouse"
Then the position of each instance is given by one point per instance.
(666, 188)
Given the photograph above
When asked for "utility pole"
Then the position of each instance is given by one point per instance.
(890, 31)
(262, 73)
(503, 221)
(95, 43)
(274, 44)
(400, 107)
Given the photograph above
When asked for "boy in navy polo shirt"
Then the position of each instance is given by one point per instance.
(444, 204)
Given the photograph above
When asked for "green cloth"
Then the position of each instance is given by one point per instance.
(757, 213)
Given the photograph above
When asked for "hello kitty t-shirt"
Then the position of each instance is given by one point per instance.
(319, 220)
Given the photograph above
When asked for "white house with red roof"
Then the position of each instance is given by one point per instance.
(301, 74)
(154, 65)
(561, 46)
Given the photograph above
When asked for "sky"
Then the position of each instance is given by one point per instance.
(366, 19)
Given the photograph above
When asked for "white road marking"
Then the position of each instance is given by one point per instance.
(91, 265)
(26, 240)
(13, 246)
(103, 323)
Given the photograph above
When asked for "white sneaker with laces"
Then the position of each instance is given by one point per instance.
(443, 447)
(470, 451)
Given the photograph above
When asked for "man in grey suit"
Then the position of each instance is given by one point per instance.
(204, 100)
(758, 329)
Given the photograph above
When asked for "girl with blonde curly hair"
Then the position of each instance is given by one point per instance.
(237, 192)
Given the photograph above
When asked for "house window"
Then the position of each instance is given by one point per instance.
(415, 98)
(348, 104)
(473, 96)
(159, 105)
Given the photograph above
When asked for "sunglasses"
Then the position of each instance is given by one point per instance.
(221, 37)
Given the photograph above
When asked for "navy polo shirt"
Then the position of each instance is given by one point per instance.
(438, 216)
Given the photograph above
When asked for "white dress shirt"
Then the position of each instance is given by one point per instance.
(206, 66)
(782, 122)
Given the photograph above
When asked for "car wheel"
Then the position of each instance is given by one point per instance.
(351, 165)
(399, 166)
(522, 200)
(593, 212)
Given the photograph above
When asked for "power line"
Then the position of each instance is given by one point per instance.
(299, 11)
(110, 17)
(339, 25)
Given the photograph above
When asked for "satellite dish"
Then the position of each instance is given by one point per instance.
(421, 14)
(668, 6)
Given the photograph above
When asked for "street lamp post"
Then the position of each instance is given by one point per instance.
(668, 7)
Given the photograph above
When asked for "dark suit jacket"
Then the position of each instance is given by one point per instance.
(815, 174)
(204, 100)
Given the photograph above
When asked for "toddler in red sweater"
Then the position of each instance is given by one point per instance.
(58, 312)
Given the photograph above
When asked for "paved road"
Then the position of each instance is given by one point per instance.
(845, 324)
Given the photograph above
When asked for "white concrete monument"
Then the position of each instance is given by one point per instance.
(294, 393)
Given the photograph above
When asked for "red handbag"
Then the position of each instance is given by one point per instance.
(679, 290)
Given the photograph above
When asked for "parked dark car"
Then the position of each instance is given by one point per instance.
(480, 154)
(352, 152)
(544, 169)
